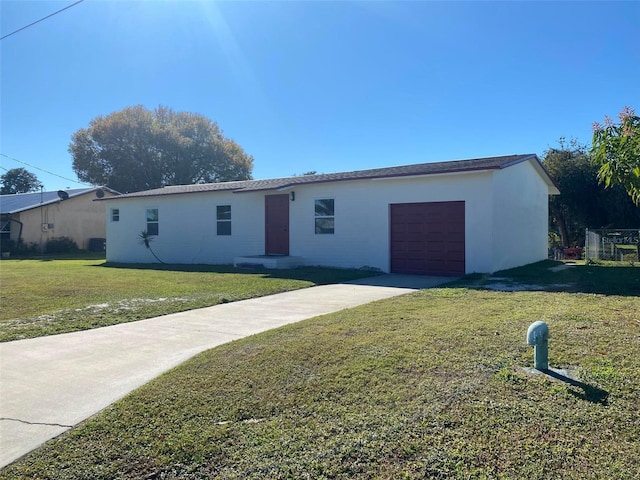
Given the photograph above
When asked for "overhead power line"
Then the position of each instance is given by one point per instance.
(43, 170)
(43, 18)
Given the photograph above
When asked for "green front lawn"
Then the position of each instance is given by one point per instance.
(427, 385)
(50, 296)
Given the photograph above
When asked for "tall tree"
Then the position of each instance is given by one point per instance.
(19, 180)
(616, 151)
(573, 209)
(584, 202)
(138, 149)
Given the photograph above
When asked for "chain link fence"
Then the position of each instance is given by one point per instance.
(621, 245)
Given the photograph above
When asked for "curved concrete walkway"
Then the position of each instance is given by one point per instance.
(49, 384)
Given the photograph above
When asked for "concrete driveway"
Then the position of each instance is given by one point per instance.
(50, 384)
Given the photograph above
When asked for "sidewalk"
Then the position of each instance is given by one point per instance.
(49, 384)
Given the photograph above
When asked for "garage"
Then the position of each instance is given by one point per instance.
(428, 238)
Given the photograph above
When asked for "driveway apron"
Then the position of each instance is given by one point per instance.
(50, 384)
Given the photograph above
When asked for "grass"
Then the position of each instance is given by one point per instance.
(49, 296)
(608, 278)
(427, 385)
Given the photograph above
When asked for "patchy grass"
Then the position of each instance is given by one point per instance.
(427, 385)
(612, 278)
(50, 296)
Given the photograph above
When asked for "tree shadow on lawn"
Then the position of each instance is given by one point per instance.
(48, 257)
(316, 275)
(553, 276)
(547, 275)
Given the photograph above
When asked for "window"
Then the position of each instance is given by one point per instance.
(152, 221)
(223, 216)
(115, 214)
(324, 216)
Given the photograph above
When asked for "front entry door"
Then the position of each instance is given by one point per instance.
(276, 212)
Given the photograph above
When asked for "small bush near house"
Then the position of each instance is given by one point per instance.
(27, 248)
(7, 245)
(61, 245)
(18, 248)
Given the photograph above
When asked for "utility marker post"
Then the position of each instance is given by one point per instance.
(538, 336)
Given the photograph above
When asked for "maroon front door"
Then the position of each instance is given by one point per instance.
(276, 212)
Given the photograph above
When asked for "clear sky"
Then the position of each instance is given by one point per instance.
(320, 85)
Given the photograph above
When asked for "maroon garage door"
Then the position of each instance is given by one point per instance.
(427, 238)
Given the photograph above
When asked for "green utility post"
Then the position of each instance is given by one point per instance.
(538, 336)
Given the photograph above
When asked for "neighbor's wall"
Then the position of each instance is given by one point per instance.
(521, 217)
(79, 218)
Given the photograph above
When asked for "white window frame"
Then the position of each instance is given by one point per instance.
(152, 222)
(322, 218)
(220, 221)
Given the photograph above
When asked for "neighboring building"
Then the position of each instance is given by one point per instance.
(35, 218)
(446, 218)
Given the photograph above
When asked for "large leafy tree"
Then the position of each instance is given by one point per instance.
(19, 180)
(584, 202)
(616, 151)
(574, 208)
(138, 149)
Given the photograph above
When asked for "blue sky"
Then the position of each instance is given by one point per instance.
(320, 85)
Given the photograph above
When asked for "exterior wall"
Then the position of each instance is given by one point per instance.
(506, 221)
(79, 218)
(187, 228)
(521, 217)
(362, 218)
(187, 223)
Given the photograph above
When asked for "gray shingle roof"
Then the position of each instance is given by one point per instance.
(19, 202)
(490, 163)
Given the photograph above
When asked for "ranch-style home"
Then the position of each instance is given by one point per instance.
(445, 218)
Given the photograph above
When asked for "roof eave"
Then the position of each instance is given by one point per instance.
(372, 177)
(161, 194)
(58, 200)
(284, 184)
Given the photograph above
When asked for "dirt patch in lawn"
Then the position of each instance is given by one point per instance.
(503, 286)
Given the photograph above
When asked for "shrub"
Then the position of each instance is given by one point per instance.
(7, 245)
(61, 245)
(27, 248)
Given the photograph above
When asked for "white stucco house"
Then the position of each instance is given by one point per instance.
(445, 218)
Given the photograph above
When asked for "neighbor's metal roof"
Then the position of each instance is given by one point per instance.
(476, 164)
(19, 202)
